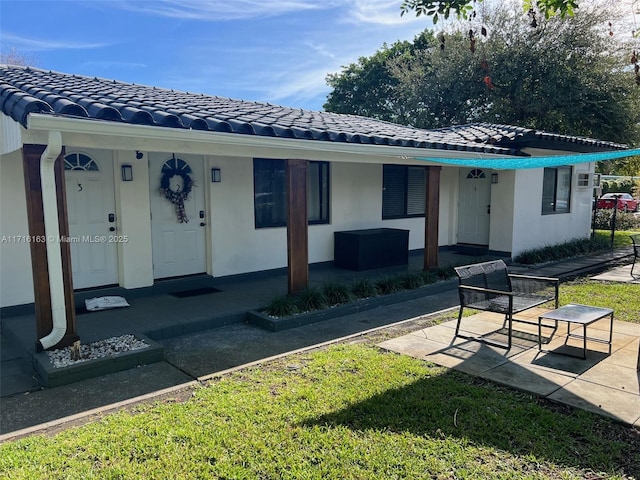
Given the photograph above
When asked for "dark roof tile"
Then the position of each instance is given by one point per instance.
(25, 90)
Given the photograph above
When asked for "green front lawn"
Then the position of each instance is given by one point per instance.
(347, 412)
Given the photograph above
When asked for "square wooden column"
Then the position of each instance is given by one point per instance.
(35, 216)
(297, 225)
(432, 217)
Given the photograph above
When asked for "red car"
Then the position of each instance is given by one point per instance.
(626, 203)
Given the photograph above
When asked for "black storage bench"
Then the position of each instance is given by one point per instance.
(372, 248)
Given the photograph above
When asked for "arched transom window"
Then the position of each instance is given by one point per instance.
(80, 161)
(176, 164)
(476, 173)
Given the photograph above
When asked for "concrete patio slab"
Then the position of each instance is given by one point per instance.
(622, 406)
(537, 380)
(625, 379)
(607, 384)
(472, 356)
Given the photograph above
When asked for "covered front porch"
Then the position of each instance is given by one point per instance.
(178, 307)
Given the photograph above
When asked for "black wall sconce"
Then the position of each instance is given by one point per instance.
(216, 175)
(139, 155)
(127, 173)
(494, 178)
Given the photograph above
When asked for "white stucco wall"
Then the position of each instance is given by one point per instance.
(16, 285)
(531, 229)
(502, 212)
(10, 135)
(356, 203)
(238, 247)
(135, 261)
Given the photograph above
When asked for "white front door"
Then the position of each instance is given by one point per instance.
(474, 206)
(91, 212)
(177, 224)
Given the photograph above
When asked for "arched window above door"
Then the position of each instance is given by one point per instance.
(176, 165)
(476, 173)
(80, 161)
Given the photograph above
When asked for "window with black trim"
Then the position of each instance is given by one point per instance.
(556, 190)
(270, 193)
(403, 191)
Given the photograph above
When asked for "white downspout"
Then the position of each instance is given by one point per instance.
(52, 232)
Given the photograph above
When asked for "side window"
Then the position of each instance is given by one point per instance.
(556, 190)
(403, 191)
(270, 193)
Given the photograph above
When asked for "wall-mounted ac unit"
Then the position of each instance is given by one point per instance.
(587, 180)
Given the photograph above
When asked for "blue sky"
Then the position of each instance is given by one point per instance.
(278, 51)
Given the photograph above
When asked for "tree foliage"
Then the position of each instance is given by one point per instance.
(464, 8)
(368, 87)
(11, 56)
(566, 76)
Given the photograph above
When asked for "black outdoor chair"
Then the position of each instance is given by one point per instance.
(636, 249)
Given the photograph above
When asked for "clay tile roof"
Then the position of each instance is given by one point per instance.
(26, 90)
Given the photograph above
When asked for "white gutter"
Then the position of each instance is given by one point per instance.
(52, 233)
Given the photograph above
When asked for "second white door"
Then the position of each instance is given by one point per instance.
(474, 206)
(177, 224)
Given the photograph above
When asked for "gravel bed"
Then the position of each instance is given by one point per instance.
(90, 351)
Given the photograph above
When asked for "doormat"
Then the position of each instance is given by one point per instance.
(194, 292)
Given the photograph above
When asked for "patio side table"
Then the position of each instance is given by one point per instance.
(584, 315)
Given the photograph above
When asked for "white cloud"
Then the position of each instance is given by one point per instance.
(36, 44)
(321, 49)
(379, 12)
(113, 64)
(217, 10)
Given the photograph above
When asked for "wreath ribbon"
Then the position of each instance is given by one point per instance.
(177, 197)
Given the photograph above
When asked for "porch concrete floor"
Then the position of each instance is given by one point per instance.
(605, 384)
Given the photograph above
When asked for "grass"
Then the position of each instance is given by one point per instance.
(620, 238)
(623, 298)
(346, 412)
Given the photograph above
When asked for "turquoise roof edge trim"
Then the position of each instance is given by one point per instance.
(532, 162)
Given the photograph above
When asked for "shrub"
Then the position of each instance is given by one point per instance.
(389, 284)
(413, 280)
(310, 298)
(572, 248)
(336, 293)
(446, 272)
(282, 306)
(429, 277)
(624, 221)
(364, 288)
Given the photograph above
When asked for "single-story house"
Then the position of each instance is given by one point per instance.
(110, 183)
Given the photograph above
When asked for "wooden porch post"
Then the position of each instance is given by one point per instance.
(35, 216)
(297, 225)
(431, 210)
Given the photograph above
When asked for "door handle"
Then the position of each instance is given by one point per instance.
(489, 209)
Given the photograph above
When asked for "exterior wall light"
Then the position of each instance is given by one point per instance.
(494, 178)
(216, 175)
(127, 173)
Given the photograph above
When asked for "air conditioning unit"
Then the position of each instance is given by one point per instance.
(587, 180)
